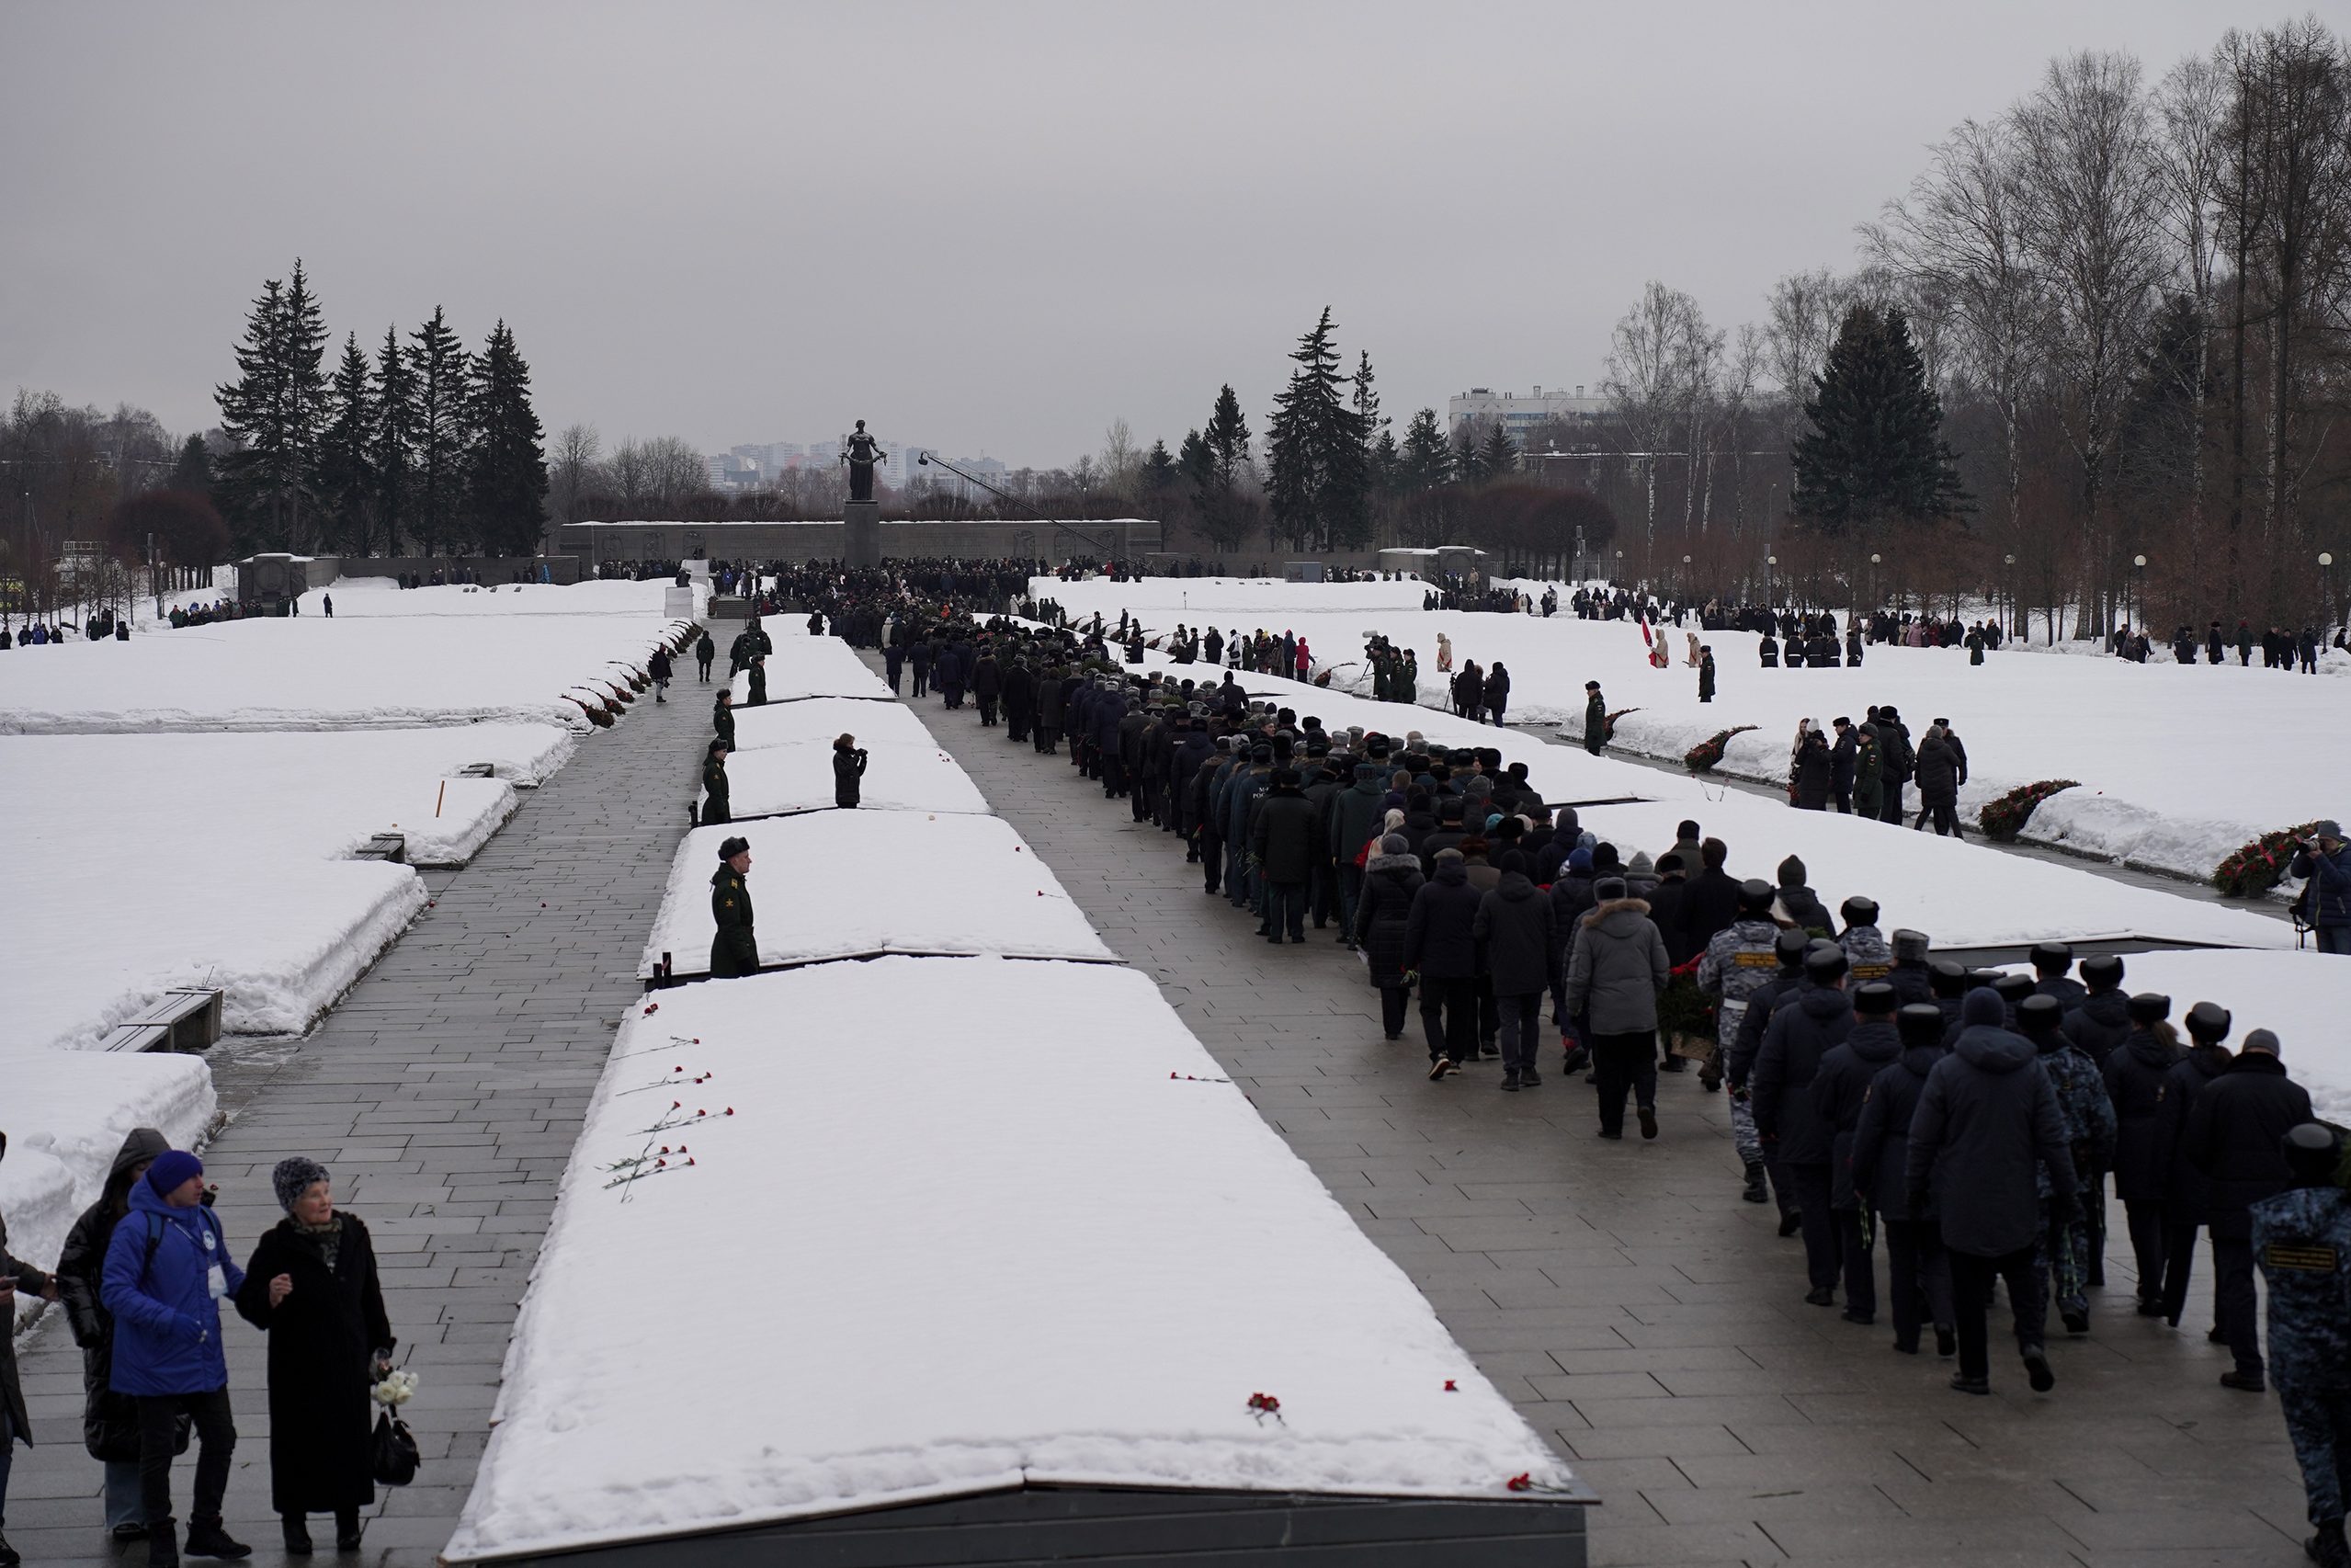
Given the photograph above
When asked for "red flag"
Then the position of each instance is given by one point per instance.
(1641, 621)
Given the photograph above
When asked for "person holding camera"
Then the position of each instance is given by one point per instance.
(2321, 859)
(848, 768)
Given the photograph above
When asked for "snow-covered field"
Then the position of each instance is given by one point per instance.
(183, 807)
(840, 884)
(385, 660)
(2177, 767)
(898, 777)
(1075, 1278)
(803, 666)
(822, 718)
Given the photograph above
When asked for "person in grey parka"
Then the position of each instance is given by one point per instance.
(1617, 967)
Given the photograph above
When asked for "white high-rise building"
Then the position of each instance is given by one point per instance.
(1521, 411)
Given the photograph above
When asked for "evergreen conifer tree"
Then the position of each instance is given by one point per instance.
(1428, 459)
(1195, 463)
(1469, 457)
(345, 476)
(1315, 452)
(1497, 455)
(1875, 450)
(1215, 469)
(507, 479)
(1159, 475)
(1227, 437)
(272, 413)
(193, 471)
(392, 456)
(442, 375)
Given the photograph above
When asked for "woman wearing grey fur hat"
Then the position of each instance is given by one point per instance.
(311, 1286)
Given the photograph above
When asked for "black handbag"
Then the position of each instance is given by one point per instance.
(395, 1451)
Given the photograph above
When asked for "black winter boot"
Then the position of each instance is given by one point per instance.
(1758, 1192)
(296, 1531)
(208, 1537)
(9, 1556)
(346, 1529)
(2327, 1548)
(163, 1544)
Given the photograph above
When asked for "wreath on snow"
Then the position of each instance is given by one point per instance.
(1702, 757)
(1608, 724)
(2256, 867)
(2004, 818)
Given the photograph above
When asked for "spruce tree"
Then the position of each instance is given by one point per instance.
(1222, 455)
(507, 481)
(1498, 455)
(1875, 450)
(272, 413)
(1468, 457)
(1227, 437)
(1428, 459)
(1159, 475)
(345, 476)
(193, 471)
(1315, 452)
(442, 374)
(1195, 463)
(392, 456)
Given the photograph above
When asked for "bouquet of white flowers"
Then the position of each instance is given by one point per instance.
(395, 1389)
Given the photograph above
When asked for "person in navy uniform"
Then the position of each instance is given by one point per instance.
(2301, 1238)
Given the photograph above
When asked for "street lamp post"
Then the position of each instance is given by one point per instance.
(1770, 563)
(1875, 596)
(2014, 624)
(2326, 584)
(2139, 567)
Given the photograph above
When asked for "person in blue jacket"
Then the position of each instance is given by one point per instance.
(168, 1270)
(2327, 863)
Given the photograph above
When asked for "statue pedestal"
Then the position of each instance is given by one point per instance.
(861, 533)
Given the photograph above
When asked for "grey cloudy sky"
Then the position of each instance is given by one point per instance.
(985, 226)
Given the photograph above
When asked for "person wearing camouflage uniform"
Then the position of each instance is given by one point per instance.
(1739, 960)
(1789, 947)
(1866, 952)
(2301, 1239)
(2062, 1251)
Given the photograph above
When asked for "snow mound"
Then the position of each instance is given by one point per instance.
(66, 1114)
(1124, 1253)
(845, 884)
(898, 778)
(822, 718)
(810, 666)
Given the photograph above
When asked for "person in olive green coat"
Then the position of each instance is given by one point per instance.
(722, 717)
(716, 807)
(735, 950)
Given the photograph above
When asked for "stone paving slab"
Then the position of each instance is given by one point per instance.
(444, 1092)
(1649, 1323)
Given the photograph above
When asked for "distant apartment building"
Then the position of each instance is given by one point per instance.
(1522, 413)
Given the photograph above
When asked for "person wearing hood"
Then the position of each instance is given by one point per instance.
(1801, 1032)
(2101, 1021)
(1811, 776)
(1617, 970)
(2067, 1259)
(1798, 906)
(168, 1270)
(1918, 1273)
(311, 1286)
(2186, 1195)
(1392, 875)
(1515, 925)
(109, 1420)
(1840, 1088)
(1282, 839)
(2233, 1133)
(2304, 1238)
(2138, 1076)
(1987, 1121)
(734, 949)
(848, 772)
(16, 1426)
(1441, 949)
(1910, 975)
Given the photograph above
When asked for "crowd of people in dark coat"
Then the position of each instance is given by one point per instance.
(1972, 1118)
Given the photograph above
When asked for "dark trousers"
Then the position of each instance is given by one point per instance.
(1391, 1009)
(705, 664)
(1350, 894)
(1285, 910)
(987, 712)
(1448, 1015)
(1521, 1016)
(2233, 1263)
(897, 672)
(216, 1437)
(1918, 1278)
(1212, 860)
(1821, 1254)
(1322, 897)
(2179, 1264)
(2145, 1216)
(1971, 1278)
(922, 679)
(1624, 1063)
(1891, 810)
(1943, 810)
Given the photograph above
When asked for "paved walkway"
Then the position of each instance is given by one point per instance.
(444, 1093)
(1648, 1321)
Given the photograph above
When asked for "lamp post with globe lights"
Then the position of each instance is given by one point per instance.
(2138, 570)
(2326, 584)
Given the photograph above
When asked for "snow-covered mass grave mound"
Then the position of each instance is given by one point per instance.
(946, 1276)
(798, 778)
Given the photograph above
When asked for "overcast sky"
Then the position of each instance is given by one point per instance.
(988, 227)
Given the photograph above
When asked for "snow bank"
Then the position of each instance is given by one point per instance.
(66, 1114)
(842, 884)
(810, 666)
(349, 672)
(2179, 766)
(822, 718)
(898, 778)
(372, 596)
(2299, 996)
(1070, 1278)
